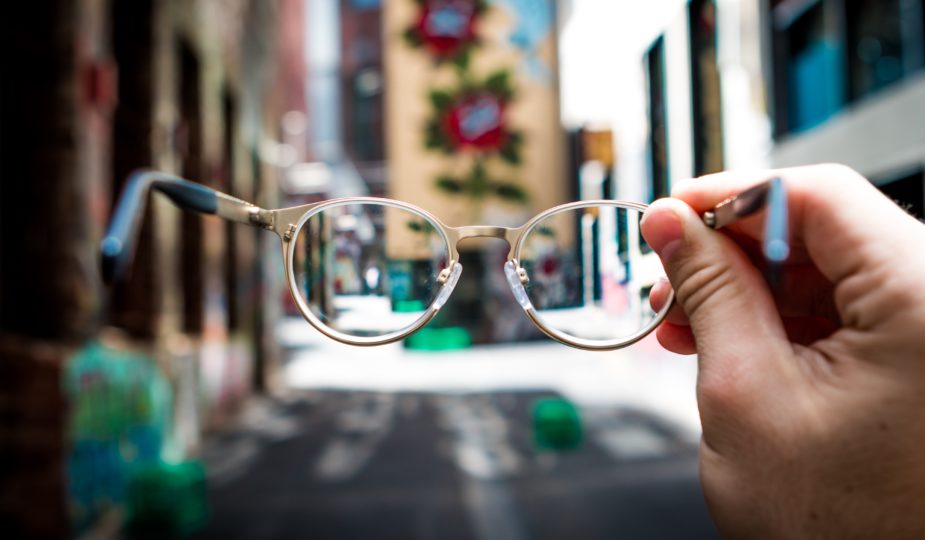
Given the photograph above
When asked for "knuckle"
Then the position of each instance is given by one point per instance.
(721, 392)
(701, 286)
(839, 171)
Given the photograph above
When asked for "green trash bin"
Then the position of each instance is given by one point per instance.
(449, 338)
(167, 497)
(556, 424)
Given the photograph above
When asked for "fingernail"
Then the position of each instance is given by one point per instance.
(663, 231)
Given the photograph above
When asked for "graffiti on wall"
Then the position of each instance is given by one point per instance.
(120, 416)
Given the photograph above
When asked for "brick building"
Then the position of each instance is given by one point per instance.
(93, 89)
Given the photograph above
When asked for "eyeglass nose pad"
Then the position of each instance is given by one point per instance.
(448, 286)
(517, 285)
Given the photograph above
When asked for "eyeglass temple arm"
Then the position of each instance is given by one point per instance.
(771, 195)
(118, 245)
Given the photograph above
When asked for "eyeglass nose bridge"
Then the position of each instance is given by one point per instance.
(511, 235)
(508, 234)
(516, 276)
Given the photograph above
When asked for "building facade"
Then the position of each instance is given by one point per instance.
(849, 87)
(96, 379)
(733, 84)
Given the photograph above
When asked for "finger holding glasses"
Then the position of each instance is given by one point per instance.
(810, 392)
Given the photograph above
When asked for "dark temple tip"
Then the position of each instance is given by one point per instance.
(110, 257)
(118, 246)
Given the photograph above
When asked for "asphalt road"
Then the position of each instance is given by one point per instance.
(347, 464)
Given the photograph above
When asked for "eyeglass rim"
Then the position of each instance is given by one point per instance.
(577, 342)
(525, 229)
(289, 254)
(515, 236)
(117, 246)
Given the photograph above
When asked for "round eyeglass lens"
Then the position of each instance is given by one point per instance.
(368, 269)
(590, 273)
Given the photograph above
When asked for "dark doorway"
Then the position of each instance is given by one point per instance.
(255, 289)
(134, 303)
(191, 229)
(232, 273)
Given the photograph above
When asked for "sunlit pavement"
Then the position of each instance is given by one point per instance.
(643, 376)
(391, 443)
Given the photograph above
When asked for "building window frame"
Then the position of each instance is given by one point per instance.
(832, 53)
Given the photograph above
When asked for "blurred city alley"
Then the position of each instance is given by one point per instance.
(405, 444)
(181, 274)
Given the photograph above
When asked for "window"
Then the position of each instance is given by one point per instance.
(658, 121)
(706, 103)
(365, 4)
(875, 38)
(658, 127)
(365, 116)
(362, 82)
(829, 53)
(809, 72)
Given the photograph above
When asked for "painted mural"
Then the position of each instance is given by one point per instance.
(473, 131)
(121, 406)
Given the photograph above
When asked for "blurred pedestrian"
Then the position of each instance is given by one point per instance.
(811, 394)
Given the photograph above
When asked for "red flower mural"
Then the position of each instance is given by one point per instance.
(472, 117)
(476, 121)
(469, 119)
(446, 28)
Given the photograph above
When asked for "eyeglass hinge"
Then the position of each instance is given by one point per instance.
(260, 217)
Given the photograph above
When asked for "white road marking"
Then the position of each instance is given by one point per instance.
(232, 462)
(362, 425)
(486, 457)
(632, 441)
(642, 377)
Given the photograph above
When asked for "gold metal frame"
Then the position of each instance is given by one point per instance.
(287, 223)
(117, 246)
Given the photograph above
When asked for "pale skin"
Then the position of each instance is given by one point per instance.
(811, 396)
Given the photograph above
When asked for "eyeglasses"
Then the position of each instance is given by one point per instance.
(371, 271)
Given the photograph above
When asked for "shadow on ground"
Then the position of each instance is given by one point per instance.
(419, 466)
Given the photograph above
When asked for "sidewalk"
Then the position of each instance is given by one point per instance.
(643, 376)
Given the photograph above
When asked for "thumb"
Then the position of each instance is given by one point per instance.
(723, 294)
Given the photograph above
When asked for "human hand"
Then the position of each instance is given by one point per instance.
(811, 396)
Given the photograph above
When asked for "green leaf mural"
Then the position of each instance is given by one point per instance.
(467, 120)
